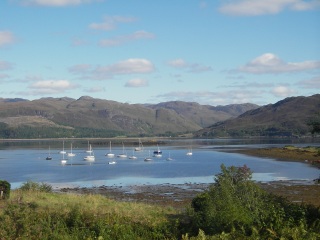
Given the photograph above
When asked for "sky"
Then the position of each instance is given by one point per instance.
(215, 52)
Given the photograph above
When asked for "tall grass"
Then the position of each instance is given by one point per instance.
(41, 215)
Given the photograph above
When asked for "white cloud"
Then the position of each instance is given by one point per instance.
(263, 7)
(178, 63)
(137, 82)
(126, 38)
(51, 86)
(110, 22)
(6, 37)
(213, 98)
(96, 89)
(55, 3)
(5, 65)
(190, 67)
(282, 91)
(270, 63)
(80, 68)
(129, 66)
(313, 83)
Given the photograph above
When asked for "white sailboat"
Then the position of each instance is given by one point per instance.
(90, 157)
(169, 158)
(110, 154)
(123, 154)
(133, 156)
(63, 160)
(62, 151)
(112, 162)
(148, 159)
(71, 154)
(89, 148)
(140, 147)
(189, 153)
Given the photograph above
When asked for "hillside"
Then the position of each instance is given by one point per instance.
(91, 117)
(288, 117)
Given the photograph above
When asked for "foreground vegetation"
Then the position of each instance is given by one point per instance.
(233, 208)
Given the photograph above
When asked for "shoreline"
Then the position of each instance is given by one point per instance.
(179, 196)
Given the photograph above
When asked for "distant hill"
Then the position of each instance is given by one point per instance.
(288, 117)
(91, 117)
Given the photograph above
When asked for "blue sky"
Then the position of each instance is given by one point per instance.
(212, 52)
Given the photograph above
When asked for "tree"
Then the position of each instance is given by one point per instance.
(314, 123)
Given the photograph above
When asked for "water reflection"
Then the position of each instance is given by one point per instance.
(23, 161)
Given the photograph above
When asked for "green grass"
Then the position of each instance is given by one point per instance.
(40, 215)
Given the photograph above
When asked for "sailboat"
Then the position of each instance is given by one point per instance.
(89, 148)
(148, 159)
(133, 156)
(189, 153)
(157, 153)
(71, 154)
(63, 160)
(49, 155)
(90, 157)
(110, 154)
(140, 147)
(169, 158)
(122, 155)
(62, 151)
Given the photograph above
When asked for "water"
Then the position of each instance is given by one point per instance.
(23, 161)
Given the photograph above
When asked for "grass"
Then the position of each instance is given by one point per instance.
(288, 153)
(40, 215)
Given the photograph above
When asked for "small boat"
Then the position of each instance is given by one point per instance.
(71, 154)
(140, 147)
(63, 151)
(169, 158)
(157, 153)
(112, 162)
(89, 148)
(63, 160)
(49, 155)
(90, 157)
(133, 156)
(110, 154)
(189, 153)
(122, 155)
(148, 159)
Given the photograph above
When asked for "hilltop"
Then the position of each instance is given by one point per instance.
(289, 117)
(92, 117)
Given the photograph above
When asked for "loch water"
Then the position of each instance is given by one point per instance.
(22, 161)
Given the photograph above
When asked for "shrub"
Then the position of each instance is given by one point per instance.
(34, 186)
(5, 188)
(237, 205)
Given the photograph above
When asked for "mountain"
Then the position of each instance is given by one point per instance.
(205, 115)
(92, 117)
(288, 117)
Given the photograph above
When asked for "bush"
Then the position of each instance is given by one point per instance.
(5, 187)
(236, 205)
(34, 186)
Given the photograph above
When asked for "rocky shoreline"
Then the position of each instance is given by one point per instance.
(180, 195)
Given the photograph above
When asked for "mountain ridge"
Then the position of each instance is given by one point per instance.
(287, 118)
(94, 115)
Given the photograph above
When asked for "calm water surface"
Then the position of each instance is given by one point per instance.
(23, 161)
